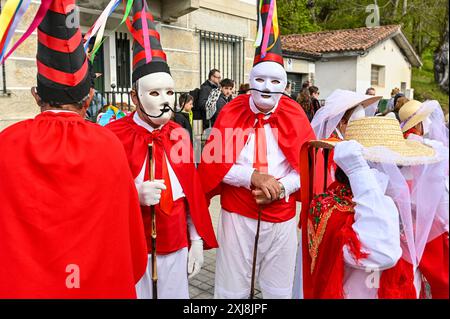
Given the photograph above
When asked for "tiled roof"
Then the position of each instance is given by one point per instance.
(317, 43)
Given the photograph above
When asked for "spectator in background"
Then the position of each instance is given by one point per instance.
(306, 85)
(98, 101)
(213, 82)
(393, 110)
(186, 117)
(244, 89)
(391, 102)
(314, 95)
(226, 87)
(304, 99)
(288, 89)
(399, 102)
(371, 91)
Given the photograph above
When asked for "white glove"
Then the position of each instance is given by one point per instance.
(195, 258)
(348, 155)
(150, 192)
(433, 143)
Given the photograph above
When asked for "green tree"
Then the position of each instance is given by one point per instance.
(295, 17)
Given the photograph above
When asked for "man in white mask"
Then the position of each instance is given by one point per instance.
(182, 217)
(257, 177)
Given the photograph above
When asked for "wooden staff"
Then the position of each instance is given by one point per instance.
(151, 169)
(255, 252)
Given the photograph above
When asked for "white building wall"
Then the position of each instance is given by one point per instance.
(332, 74)
(396, 68)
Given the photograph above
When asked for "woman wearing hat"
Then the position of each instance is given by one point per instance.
(341, 107)
(356, 248)
(424, 119)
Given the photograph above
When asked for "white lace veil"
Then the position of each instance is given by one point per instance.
(328, 117)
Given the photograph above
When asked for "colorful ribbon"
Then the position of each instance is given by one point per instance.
(7, 38)
(42, 11)
(145, 34)
(8, 14)
(268, 28)
(100, 24)
(259, 36)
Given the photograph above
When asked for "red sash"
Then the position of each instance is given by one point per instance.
(241, 201)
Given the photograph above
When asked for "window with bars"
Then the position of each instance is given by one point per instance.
(225, 52)
(123, 61)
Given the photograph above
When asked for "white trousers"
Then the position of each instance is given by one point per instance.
(275, 261)
(172, 277)
(297, 292)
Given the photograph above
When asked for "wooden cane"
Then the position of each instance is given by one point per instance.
(151, 169)
(255, 252)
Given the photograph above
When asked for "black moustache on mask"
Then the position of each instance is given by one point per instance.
(270, 93)
(166, 108)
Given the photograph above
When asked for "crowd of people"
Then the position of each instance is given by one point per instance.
(122, 210)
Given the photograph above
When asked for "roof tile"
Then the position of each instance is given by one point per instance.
(316, 43)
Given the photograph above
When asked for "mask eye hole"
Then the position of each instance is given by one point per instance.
(259, 80)
(276, 82)
(154, 93)
(170, 93)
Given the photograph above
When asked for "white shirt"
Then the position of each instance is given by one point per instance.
(177, 190)
(278, 166)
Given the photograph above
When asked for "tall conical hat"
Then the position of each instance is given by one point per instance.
(268, 40)
(148, 56)
(63, 76)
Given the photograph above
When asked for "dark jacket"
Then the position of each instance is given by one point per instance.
(221, 102)
(183, 119)
(315, 104)
(205, 90)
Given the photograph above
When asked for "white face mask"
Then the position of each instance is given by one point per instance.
(270, 77)
(154, 91)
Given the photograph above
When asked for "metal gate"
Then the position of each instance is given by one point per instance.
(225, 52)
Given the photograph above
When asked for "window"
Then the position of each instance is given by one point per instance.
(224, 52)
(123, 61)
(403, 87)
(377, 75)
(99, 66)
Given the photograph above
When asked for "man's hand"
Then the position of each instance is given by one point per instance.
(267, 184)
(150, 192)
(261, 198)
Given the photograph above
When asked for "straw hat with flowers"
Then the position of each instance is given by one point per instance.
(383, 142)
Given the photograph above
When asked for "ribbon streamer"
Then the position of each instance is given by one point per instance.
(8, 14)
(12, 29)
(259, 36)
(147, 46)
(267, 29)
(42, 11)
(101, 23)
(276, 29)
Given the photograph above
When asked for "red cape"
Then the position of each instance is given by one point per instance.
(293, 131)
(68, 198)
(135, 139)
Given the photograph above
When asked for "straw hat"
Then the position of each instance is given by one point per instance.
(411, 114)
(383, 142)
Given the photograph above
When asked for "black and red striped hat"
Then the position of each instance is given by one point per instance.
(63, 75)
(158, 59)
(267, 14)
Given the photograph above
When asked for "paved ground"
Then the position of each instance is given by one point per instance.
(202, 286)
